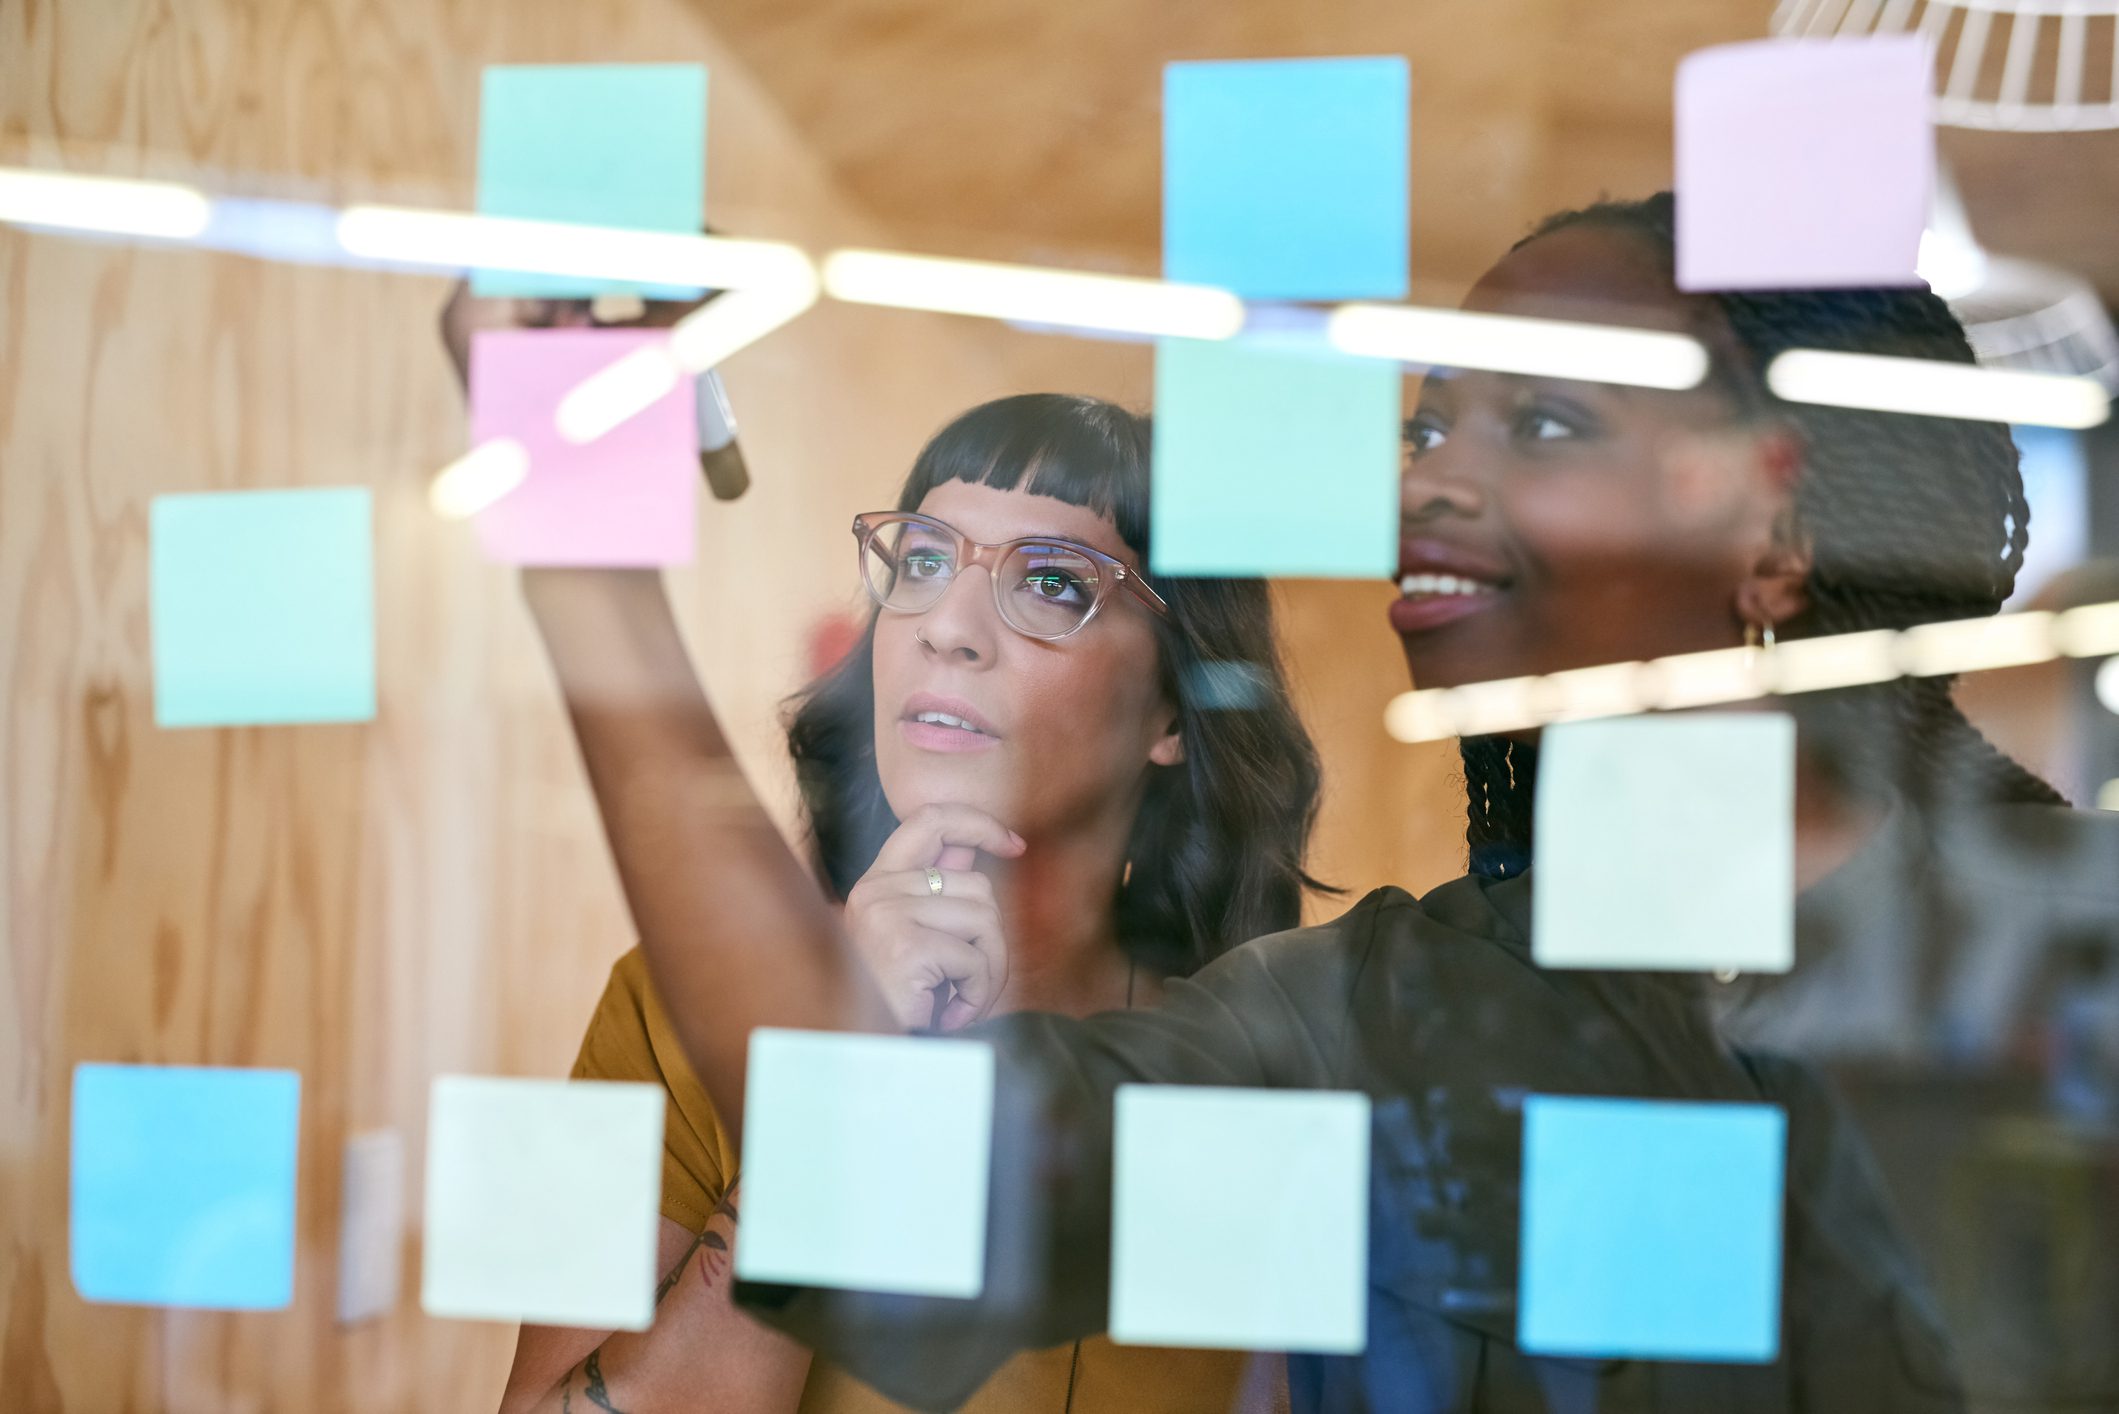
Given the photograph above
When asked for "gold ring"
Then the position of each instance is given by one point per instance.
(934, 880)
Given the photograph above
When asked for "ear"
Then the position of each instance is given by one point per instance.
(1773, 590)
(1169, 748)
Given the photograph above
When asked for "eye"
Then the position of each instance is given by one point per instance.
(923, 564)
(1545, 422)
(1423, 434)
(1055, 585)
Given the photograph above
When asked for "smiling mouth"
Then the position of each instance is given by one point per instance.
(1444, 586)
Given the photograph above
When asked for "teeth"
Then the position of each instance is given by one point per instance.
(1412, 584)
(943, 719)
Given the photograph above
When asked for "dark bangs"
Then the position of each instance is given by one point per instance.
(1083, 451)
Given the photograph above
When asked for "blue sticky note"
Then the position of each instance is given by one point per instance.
(1651, 1229)
(1272, 461)
(183, 1185)
(263, 607)
(1286, 179)
(594, 144)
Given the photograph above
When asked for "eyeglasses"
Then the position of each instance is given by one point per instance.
(1043, 588)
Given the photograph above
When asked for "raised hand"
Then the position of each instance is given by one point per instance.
(939, 957)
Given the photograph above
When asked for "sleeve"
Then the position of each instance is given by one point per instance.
(629, 1038)
(1245, 1020)
(1862, 1329)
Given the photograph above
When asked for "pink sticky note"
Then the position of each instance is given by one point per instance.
(1803, 163)
(625, 498)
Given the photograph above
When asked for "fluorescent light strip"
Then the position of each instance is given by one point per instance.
(628, 387)
(1741, 674)
(622, 389)
(1065, 298)
(111, 205)
(1933, 388)
(460, 240)
(738, 319)
(1503, 343)
(478, 478)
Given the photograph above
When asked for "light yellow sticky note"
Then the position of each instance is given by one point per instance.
(542, 1199)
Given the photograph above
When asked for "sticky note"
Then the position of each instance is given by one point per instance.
(1803, 163)
(1651, 1229)
(182, 1188)
(262, 607)
(1272, 461)
(865, 1162)
(1287, 179)
(625, 499)
(1240, 1219)
(1666, 843)
(596, 144)
(371, 1225)
(542, 1201)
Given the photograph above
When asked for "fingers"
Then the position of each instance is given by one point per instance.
(924, 962)
(925, 833)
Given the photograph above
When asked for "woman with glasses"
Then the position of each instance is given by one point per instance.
(1038, 781)
(1546, 525)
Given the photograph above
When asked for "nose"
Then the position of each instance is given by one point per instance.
(1433, 486)
(962, 626)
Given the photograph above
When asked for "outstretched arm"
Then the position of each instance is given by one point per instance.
(736, 932)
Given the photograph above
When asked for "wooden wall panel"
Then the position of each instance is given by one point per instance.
(376, 904)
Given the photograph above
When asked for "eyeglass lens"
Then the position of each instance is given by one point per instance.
(1044, 590)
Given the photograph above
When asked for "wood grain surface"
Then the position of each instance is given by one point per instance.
(376, 904)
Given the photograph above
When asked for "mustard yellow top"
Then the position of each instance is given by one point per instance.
(630, 1038)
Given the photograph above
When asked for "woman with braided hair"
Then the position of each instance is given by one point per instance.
(1545, 525)
(1897, 521)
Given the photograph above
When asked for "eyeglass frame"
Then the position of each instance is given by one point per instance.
(990, 558)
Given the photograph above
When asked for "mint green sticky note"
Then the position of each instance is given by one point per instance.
(263, 607)
(1274, 461)
(1239, 1218)
(594, 144)
(1666, 843)
(865, 1161)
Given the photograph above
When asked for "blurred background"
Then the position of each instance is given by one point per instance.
(376, 904)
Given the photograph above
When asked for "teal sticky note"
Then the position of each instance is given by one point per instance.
(594, 144)
(263, 607)
(1287, 179)
(1651, 1229)
(865, 1162)
(182, 1185)
(1271, 460)
(1240, 1219)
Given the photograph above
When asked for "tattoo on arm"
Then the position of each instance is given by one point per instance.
(712, 1247)
(706, 1244)
(592, 1371)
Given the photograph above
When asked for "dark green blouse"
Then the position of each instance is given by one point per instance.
(1435, 1009)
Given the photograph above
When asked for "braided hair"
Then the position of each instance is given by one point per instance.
(1908, 520)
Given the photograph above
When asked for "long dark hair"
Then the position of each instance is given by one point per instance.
(1908, 520)
(1217, 850)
